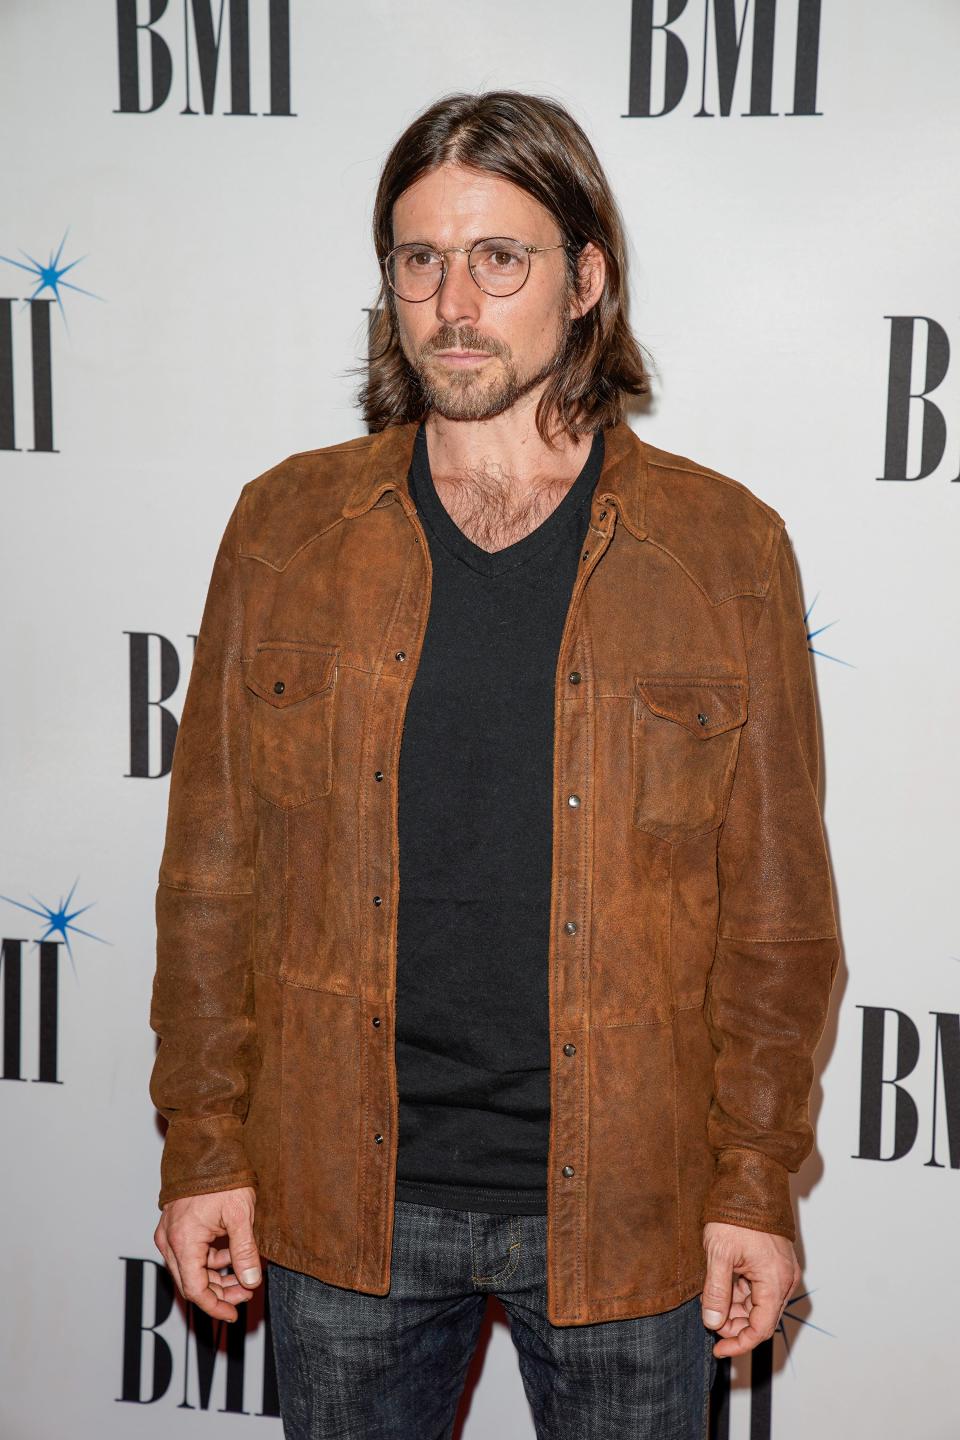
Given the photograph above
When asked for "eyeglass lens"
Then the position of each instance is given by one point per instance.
(499, 266)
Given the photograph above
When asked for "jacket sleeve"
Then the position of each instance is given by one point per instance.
(777, 948)
(202, 1002)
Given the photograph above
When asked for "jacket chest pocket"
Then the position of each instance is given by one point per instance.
(291, 721)
(686, 734)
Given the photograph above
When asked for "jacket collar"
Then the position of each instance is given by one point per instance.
(622, 482)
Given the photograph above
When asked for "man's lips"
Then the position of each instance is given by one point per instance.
(462, 357)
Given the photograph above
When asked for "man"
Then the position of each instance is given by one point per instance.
(495, 929)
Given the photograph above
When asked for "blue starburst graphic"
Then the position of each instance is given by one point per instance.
(812, 633)
(60, 921)
(797, 1320)
(50, 276)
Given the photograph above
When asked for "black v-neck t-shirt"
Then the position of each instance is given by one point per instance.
(476, 835)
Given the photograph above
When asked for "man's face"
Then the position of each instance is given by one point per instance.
(514, 340)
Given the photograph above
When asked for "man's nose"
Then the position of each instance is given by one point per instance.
(459, 297)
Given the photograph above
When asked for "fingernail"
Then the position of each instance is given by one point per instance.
(250, 1277)
(712, 1318)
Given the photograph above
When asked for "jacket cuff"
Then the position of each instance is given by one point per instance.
(750, 1189)
(203, 1155)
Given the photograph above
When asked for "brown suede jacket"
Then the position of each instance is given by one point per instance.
(694, 940)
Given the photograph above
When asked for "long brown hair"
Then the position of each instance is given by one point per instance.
(534, 142)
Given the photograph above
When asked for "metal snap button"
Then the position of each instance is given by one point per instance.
(378, 774)
(569, 1049)
(376, 1022)
(703, 719)
(400, 655)
(574, 677)
(378, 1139)
(278, 687)
(377, 900)
(568, 1170)
(571, 927)
(573, 800)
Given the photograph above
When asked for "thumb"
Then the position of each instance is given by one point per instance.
(717, 1290)
(244, 1255)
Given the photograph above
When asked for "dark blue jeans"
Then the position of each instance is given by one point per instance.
(392, 1367)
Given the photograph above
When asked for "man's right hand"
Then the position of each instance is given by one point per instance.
(190, 1237)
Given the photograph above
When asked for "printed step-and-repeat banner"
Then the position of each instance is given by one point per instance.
(186, 279)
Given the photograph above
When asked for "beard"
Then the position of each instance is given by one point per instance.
(469, 394)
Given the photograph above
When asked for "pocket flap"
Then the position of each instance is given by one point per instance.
(283, 675)
(705, 706)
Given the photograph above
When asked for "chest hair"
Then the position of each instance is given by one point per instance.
(486, 505)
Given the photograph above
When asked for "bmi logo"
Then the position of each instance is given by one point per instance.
(147, 42)
(52, 277)
(761, 1379)
(43, 993)
(889, 1113)
(190, 1360)
(734, 60)
(917, 426)
(154, 666)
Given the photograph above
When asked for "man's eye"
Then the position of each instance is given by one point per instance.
(421, 259)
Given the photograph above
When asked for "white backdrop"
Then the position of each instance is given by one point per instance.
(230, 265)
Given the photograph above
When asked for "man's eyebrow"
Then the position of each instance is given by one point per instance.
(467, 246)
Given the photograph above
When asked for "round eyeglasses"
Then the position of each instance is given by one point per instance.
(499, 266)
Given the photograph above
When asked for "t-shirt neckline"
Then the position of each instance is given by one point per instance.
(448, 532)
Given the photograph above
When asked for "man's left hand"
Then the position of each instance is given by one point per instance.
(750, 1277)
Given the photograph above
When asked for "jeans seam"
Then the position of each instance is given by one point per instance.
(711, 1340)
(513, 1258)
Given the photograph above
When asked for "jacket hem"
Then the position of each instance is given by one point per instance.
(634, 1306)
(294, 1257)
(617, 1307)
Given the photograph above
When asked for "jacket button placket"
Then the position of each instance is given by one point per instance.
(570, 1003)
(378, 801)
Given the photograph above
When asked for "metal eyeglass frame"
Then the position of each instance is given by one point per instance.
(468, 251)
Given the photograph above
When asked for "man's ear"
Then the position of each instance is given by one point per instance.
(592, 271)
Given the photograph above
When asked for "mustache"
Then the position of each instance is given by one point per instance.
(466, 338)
